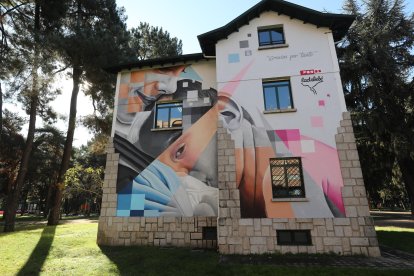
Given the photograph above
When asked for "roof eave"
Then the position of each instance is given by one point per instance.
(175, 60)
(338, 23)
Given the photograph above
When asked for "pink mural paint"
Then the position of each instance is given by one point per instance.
(316, 121)
(288, 134)
(232, 85)
(323, 167)
(321, 103)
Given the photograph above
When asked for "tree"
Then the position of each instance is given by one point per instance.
(153, 42)
(30, 28)
(11, 148)
(143, 42)
(92, 36)
(376, 62)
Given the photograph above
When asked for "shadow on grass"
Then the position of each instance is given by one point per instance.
(159, 261)
(35, 262)
(400, 240)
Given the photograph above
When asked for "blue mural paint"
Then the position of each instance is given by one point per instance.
(234, 58)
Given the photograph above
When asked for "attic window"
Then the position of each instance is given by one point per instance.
(271, 36)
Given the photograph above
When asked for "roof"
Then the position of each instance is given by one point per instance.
(338, 23)
(157, 62)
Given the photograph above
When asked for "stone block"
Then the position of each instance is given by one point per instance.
(342, 155)
(339, 138)
(339, 231)
(318, 221)
(321, 231)
(346, 115)
(235, 194)
(373, 241)
(246, 221)
(266, 221)
(370, 231)
(235, 212)
(234, 240)
(374, 251)
(351, 201)
(279, 226)
(350, 182)
(345, 123)
(329, 224)
(363, 211)
(351, 211)
(224, 194)
(363, 201)
(356, 172)
(341, 129)
(345, 172)
(359, 191)
(257, 240)
(342, 146)
(265, 231)
(196, 236)
(347, 191)
(330, 241)
(352, 155)
(359, 241)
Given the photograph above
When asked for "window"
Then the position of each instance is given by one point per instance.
(287, 177)
(293, 237)
(209, 233)
(271, 36)
(169, 115)
(277, 95)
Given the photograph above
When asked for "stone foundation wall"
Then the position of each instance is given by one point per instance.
(157, 231)
(354, 234)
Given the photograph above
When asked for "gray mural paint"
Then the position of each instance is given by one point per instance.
(244, 44)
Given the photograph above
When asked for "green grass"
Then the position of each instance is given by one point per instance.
(396, 237)
(70, 249)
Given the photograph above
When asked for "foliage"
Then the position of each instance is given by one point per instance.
(376, 61)
(83, 189)
(11, 147)
(43, 168)
(153, 42)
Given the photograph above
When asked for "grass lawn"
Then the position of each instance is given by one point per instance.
(70, 249)
(395, 237)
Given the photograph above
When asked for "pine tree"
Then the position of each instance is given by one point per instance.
(92, 35)
(376, 66)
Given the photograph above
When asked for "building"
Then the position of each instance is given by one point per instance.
(247, 146)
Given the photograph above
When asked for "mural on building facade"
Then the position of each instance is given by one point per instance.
(168, 165)
(165, 134)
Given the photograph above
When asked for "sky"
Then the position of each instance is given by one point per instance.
(185, 20)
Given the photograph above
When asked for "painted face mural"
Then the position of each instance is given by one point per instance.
(165, 135)
(165, 132)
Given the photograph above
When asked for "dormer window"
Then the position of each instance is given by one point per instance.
(271, 36)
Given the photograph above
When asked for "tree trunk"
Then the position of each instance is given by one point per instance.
(57, 194)
(12, 200)
(13, 195)
(407, 170)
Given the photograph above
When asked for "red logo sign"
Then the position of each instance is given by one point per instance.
(309, 72)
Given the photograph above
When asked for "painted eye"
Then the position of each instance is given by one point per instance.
(179, 152)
